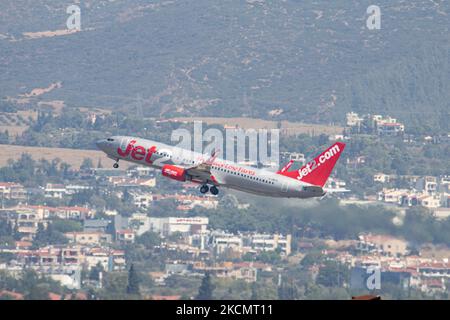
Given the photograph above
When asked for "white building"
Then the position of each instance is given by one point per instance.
(142, 200)
(55, 191)
(270, 242)
(223, 242)
(169, 225)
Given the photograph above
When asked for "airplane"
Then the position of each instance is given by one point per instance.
(211, 172)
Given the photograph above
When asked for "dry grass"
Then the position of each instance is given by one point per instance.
(287, 128)
(13, 130)
(74, 157)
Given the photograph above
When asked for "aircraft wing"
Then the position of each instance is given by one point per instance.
(202, 172)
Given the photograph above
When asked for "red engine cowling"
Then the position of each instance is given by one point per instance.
(174, 172)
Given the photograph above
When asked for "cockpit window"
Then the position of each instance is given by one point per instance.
(110, 139)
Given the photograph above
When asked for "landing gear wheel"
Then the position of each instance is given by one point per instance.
(214, 190)
(116, 165)
(204, 188)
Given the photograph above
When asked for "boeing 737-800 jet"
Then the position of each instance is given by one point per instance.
(212, 172)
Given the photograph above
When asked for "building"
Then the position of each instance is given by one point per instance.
(57, 191)
(27, 223)
(382, 244)
(12, 191)
(354, 120)
(269, 242)
(387, 126)
(125, 236)
(88, 238)
(224, 242)
(390, 129)
(77, 213)
(139, 223)
(96, 225)
(142, 200)
(170, 225)
(427, 185)
(294, 156)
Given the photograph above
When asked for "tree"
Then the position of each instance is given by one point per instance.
(133, 281)
(149, 239)
(254, 295)
(86, 164)
(94, 274)
(206, 288)
(332, 274)
(49, 235)
(288, 291)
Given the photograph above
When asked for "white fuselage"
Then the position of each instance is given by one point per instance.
(223, 173)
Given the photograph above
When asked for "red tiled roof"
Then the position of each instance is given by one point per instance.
(54, 296)
(14, 295)
(23, 244)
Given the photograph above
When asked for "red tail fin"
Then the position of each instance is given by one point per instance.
(317, 171)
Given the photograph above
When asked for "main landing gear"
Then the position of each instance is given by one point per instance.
(204, 189)
(116, 165)
(214, 190)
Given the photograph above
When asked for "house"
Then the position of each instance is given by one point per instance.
(78, 213)
(95, 225)
(269, 242)
(431, 202)
(354, 120)
(88, 238)
(388, 126)
(95, 256)
(57, 191)
(27, 223)
(139, 222)
(169, 225)
(20, 245)
(223, 242)
(382, 178)
(12, 191)
(125, 236)
(390, 129)
(142, 200)
(427, 185)
(383, 244)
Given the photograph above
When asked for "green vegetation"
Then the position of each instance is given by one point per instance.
(48, 235)
(34, 173)
(205, 292)
(149, 240)
(32, 286)
(275, 55)
(133, 281)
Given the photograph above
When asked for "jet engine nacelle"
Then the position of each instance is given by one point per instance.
(174, 172)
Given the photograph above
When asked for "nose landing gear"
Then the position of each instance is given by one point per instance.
(116, 165)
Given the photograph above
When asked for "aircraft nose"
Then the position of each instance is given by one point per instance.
(101, 144)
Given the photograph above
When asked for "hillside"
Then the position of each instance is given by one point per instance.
(303, 61)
